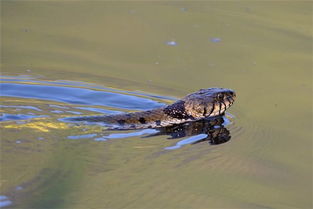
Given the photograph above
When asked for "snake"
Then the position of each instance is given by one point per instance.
(205, 103)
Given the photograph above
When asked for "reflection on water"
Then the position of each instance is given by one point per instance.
(84, 136)
(211, 130)
(80, 96)
(68, 98)
(126, 135)
(21, 107)
(263, 49)
(8, 117)
(4, 201)
(103, 100)
(47, 104)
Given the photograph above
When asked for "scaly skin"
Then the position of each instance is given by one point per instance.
(196, 106)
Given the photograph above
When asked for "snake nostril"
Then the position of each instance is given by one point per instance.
(232, 93)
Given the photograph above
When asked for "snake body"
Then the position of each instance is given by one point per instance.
(202, 104)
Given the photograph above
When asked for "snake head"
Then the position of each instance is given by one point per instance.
(208, 102)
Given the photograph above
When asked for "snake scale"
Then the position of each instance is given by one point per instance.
(204, 103)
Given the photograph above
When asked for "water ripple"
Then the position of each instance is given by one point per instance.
(79, 96)
(4, 201)
(84, 136)
(8, 117)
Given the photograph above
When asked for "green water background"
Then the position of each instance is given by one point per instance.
(263, 51)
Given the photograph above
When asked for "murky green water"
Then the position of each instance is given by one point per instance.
(64, 59)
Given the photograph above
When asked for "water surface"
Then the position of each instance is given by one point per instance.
(67, 59)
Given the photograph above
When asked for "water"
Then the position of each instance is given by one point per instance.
(67, 59)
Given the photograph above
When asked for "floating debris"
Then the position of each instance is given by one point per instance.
(171, 43)
(18, 188)
(216, 40)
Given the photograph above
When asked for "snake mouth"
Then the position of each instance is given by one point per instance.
(219, 107)
(229, 98)
(229, 101)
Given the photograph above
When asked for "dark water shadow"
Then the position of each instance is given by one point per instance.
(211, 130)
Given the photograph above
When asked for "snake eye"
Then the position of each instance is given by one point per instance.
(220, 96)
